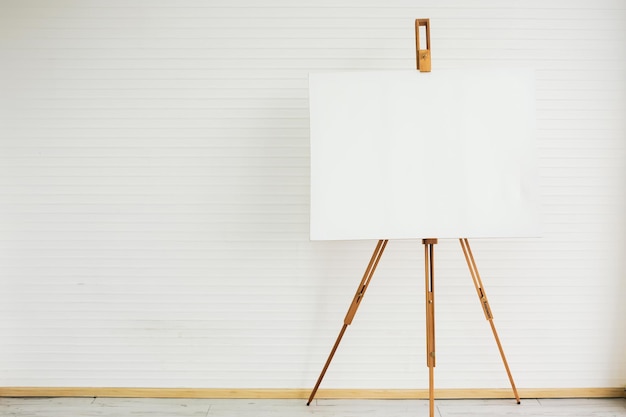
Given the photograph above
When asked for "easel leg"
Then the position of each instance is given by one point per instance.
(429, 274)
(360, 292)
(469, 258)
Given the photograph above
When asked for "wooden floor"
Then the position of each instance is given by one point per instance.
(138, 407)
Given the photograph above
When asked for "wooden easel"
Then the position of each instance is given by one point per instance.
(423, 60)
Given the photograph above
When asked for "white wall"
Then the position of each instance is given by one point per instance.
(154, 199)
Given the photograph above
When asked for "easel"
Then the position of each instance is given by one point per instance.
(423, 60)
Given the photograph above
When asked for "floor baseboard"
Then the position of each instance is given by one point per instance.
(244, 393)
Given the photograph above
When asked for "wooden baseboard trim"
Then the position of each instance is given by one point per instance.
(244, 393)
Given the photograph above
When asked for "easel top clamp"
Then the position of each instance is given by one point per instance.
(422, 55)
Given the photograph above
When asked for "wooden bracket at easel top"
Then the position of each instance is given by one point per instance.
(423, 55)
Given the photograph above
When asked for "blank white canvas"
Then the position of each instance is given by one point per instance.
(403, 154)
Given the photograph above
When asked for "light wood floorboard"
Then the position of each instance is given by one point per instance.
(153, 407)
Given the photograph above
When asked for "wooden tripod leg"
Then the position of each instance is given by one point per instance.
(429, 274)
(360, 292)
(471, 263)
